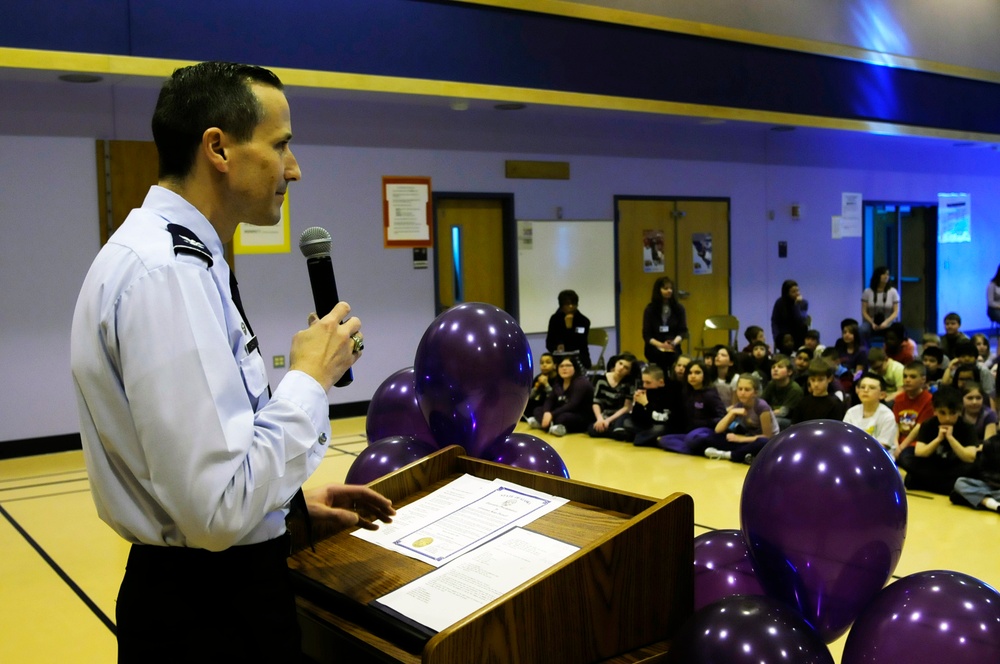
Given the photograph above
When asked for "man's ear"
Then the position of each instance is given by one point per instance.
(213, 147)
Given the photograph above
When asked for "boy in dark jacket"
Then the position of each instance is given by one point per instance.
(818, 403)
(658, 408)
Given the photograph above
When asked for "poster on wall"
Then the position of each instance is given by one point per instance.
(406, 212)
(851, 208)
(954, 218)
(265, 239)
(701, 245)
(652, 251)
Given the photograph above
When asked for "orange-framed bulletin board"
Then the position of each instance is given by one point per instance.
(406, 212)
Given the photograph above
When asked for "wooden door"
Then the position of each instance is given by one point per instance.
(125, 172)
(469, 251)
(703, 290)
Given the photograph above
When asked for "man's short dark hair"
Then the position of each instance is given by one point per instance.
(205, 95)
(812, 334)
(568, 297)
(751, 332)
(918, 366)
(955, 317)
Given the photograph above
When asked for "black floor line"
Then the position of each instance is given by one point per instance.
(22, 487)
(46, 495)
(62, 574)
(22, 478)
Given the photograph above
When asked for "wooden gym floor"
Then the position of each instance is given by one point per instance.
(61, 566)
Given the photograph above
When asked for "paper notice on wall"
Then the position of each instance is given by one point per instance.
(851, 209)
(954, 218)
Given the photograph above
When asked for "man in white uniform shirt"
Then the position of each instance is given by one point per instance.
(190, 456)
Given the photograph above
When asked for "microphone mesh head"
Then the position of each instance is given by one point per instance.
(315, 242)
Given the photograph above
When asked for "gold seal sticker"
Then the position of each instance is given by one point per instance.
(422, 542)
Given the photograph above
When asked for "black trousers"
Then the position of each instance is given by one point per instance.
(190, 605)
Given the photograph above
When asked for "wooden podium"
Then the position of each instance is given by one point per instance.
(620, 598)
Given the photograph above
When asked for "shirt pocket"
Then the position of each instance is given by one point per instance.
(254, 374)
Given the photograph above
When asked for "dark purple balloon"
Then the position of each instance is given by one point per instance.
(394, 411)
(824, 517)
(522, 450)
(473, 376)
(747, 629)
(386, 455)
(722, 568)
(928, 618)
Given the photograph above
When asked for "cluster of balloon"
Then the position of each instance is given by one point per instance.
(468, 386)
(823, 514)
(928, 617)
(747, 628)
(394, 411)
(386, 455)
(722, 568)
(522, 450)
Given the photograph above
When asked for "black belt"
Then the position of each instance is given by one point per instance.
(248, 555)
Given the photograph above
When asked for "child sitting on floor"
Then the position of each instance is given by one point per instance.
(702, 411)
(781, 394)
(613, 400)
(658, 409)
(945, 449)
(747, 426)
(981, 488)
(871, 415)
(818, 403)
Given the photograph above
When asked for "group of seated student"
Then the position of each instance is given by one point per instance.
(932, 407)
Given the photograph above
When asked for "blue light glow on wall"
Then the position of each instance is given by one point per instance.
(456, 263)
(876, 29)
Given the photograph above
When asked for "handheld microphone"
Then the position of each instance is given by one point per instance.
(315, 246)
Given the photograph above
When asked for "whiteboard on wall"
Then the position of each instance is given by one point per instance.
(553, 256)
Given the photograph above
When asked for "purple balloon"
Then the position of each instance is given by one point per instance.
(473, 376)
(823, 512)
(722, 568)
(750, 629)
(394, 411)
(386, 455)
(522, 450)
(927, 618)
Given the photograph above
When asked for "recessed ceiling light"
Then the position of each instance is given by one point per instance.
(459, 105)
(512, 106)
(81, 78)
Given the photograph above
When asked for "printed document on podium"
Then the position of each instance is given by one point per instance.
(441, 598)
(460, 517)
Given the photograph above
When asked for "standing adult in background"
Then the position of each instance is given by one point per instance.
(993, 297)
(789, 318)
(879, 304)
(664, 324)
(569, 329)
(190, 456)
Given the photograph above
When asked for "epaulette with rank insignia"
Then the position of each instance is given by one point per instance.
(186, 242)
